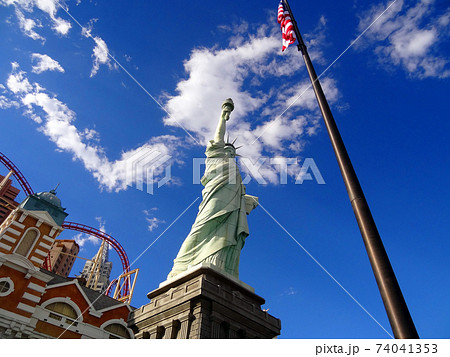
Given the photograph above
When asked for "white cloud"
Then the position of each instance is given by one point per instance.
(100, 53)
(27, 26)
(58, 123)
(100, 56)
(50, 7)
(152, 221)
(253, 72)
(81, 239)
(6, 103)
(18, 83)
(45, 63)
(410, 36)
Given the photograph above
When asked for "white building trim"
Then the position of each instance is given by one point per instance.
(43, 245)
(48, 239)
(25, 307)
(9, 238)
(4, 246)
(17, 224)
(13, 231)
(13, 316)
(36, 287)
(22, 217)
(41, 252)
(37, 260)
(31, 297)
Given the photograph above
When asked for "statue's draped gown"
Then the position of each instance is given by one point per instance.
(219, 231)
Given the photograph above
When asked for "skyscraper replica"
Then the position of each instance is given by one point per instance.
(203, 296)
(62, 256)
(97, 271)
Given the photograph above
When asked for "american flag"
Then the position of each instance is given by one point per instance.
(287, 28)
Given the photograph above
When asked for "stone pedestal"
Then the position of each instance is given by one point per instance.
(203, 302)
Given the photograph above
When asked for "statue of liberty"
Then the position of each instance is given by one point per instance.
(220, 228)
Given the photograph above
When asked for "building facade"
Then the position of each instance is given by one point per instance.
(203, 303)
(36, 303)
(8, 194)
(62, 256)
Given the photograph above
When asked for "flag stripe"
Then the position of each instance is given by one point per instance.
(287, 28)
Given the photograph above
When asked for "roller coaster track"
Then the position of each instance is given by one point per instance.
(102, 235)
(26, 187)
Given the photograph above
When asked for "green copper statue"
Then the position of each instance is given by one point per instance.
(219, 231)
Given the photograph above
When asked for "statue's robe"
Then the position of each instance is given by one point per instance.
(219, 231)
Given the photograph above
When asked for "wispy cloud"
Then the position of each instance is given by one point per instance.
(82, 238)
(27, 26)
(58, 124)
(49, 7)
(152, 221)
(100, 52)
(409, 36)
(45, 63)
(100, 56)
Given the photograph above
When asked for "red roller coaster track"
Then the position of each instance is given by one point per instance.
(71, 225)
(102, 235)
(17, 174)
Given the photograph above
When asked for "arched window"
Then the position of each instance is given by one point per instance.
(117, 331)
(60, 310)
(27, 242)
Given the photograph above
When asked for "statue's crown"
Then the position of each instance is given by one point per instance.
(228, 102)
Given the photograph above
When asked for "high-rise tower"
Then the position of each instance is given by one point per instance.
(62, 256)
(97, 271)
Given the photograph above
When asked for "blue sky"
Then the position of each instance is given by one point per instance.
(74, 115)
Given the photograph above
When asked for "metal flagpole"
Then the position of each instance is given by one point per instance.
(395, 305)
